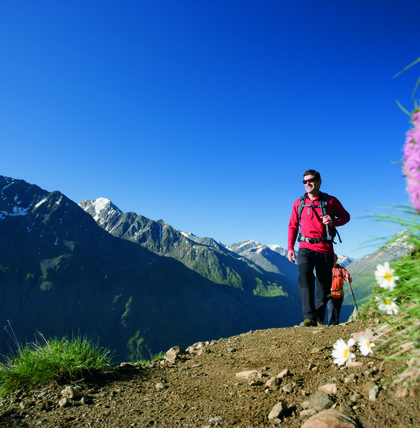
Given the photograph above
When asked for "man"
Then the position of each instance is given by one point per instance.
(316, 246)
(335, 301)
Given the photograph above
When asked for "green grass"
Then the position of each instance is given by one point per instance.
(401, 339)
(54, 359)
(157, 357)
(407, 294)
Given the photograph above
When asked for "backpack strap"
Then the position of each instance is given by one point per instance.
(339, 237)
(301, 205)
(323, 205)
(331, 230)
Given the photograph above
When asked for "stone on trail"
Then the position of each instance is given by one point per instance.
(160, 386)
(174, 352)
(277, 410)
(307, 412)
(373, 393)
(249, 375)
(273, 382)
(284, 373)
(329, 388)
(354, 364)
(64, 402)
(320, 401)
(216, 419)
(69, 392)
(331, 419)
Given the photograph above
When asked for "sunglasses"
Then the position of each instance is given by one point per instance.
(311, 180)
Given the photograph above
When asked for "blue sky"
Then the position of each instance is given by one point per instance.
(206, 113)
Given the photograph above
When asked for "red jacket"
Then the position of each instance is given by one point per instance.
(312, 226)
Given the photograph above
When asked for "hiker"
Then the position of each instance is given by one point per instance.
(317, 214)
(335, 301)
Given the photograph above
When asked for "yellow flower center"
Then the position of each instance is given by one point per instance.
(346, 353)
(368, 344)
(388, 276)
(387, 302)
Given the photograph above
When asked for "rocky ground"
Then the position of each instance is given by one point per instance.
(264, 378)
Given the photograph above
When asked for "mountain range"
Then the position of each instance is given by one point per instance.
(135, 285)
(62, 274)
(207, 257)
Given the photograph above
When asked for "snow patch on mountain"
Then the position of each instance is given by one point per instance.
(245, 246)
(16, 211)
(101, 203)
(188, 235)
(255, 247)
(40, 202)
(344, 260)
(400, 240)
(14, 204)
(98, 207)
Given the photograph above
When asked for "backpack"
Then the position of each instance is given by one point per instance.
(331, 230)
(337, 284)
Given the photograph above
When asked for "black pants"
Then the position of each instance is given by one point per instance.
(308, 260)
(334, 308)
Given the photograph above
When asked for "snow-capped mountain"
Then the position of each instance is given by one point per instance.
(207, 257)
(98, 207)
(344, 260)
(267, 256)
(271, 258)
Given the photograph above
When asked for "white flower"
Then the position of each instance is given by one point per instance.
(341, 351)
(365, 346)
(387, 305)
(385, 276)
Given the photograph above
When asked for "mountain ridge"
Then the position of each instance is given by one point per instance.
(205, 256)
(61, 273)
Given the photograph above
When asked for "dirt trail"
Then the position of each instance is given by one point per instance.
(202, 390)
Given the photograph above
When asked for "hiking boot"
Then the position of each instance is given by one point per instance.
(320, 324)
(308, 323)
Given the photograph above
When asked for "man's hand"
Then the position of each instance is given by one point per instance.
(291, 256)
(326, 219)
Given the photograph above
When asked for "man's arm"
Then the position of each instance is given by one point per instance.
(339, 215)
(293, 232)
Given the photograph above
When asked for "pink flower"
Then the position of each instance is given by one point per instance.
(412, 160)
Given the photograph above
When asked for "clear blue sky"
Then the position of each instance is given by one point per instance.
(205, 113)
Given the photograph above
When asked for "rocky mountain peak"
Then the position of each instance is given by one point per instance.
(99, 207)
(17, 198)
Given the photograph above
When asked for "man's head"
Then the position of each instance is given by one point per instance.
(312, 172)
(312, 181)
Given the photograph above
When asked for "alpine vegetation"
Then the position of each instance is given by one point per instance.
(55, 359)
(396, 297)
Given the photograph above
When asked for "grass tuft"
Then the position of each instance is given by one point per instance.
(53, 359)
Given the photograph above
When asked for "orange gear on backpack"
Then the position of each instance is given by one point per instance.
(337, 283)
